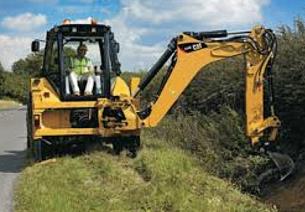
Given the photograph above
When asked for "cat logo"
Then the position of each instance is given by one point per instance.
(190, 47)
(197, 46)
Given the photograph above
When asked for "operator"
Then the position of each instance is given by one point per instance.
(81, 70)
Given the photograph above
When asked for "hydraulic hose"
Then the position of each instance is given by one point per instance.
(157, 67)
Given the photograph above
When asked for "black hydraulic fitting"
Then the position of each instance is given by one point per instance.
(208, 34)
(106, 55)
(159, 64)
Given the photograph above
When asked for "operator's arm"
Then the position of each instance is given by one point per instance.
(68, 64)
(90, 66)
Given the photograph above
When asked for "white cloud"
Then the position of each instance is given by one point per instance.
(24, 22)
(208, 12)
(133, 55)
(138, 20)
(157, 21)
(13, 48)
(82, 21)
(72, 9)
(87, 1)
(43, 1)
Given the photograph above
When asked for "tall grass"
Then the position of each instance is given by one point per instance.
(218, 141)
(162, 178)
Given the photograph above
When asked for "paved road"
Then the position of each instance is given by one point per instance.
(12, 153)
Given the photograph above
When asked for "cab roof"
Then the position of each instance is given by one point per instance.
(80, 29)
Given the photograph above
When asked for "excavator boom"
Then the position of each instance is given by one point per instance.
(191, 52)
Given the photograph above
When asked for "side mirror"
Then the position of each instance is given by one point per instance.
(35, 46)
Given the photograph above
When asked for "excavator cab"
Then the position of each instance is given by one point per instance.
(61, 47)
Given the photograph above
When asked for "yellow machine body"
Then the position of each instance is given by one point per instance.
(51, 116)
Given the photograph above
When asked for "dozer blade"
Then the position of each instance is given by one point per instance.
(283, 162)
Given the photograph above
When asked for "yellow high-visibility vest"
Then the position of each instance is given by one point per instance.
(81, 66)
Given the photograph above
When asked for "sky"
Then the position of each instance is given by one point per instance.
(142, 27)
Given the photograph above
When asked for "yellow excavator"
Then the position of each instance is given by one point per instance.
(112, 112)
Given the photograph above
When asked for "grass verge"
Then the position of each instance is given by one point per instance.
(218, 141)
(161, 178)
(6, 104)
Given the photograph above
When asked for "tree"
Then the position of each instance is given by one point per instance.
(30, 66)
(1, 79)
(69, 52)
(1, 68)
